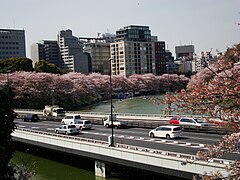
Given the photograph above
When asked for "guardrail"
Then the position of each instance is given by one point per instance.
(121, 114)
(137, 120)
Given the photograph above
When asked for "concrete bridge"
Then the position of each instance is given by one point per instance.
(164, 162)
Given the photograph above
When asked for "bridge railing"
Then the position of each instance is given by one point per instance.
(137, 120)
(161, 116)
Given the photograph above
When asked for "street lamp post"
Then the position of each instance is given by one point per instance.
(52, 97)
(8, 85)
(168, 90)
(111, 105)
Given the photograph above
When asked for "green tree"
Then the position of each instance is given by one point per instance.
(16, 64)
(43, 66)
(7, 126)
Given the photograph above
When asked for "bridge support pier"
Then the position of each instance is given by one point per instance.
(100, 170)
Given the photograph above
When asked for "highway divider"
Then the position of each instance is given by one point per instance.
(150, 121)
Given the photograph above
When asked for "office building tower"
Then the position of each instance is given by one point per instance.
(135, 51)
(99, 51)
(71, 51)
(134, 33)
(47, 50)
(100, 54)
(12, 43)
(160, 57)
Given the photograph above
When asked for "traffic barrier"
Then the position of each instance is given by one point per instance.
(140, 120)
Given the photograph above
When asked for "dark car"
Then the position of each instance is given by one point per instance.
(30, 117)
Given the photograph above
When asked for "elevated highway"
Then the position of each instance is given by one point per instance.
(177, 164)
(133, 148)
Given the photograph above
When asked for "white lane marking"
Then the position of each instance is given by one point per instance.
(51, 129)
(145, 139)
(35, 127)
(131, 137)
(140, 138)
(149, 140)
(21, 126)
(85, 132)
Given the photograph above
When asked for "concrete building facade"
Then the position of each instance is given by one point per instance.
(47, 50)
(185, 51)
(204, 60)
(12, 43)
(184, 58)
(135, 51)
(71, 51)
(160, 57)
(100, 54)
(132, 58)
(99, 50)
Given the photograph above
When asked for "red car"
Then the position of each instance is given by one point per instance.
(174, 120)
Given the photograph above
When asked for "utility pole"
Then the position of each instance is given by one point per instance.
(111, 104)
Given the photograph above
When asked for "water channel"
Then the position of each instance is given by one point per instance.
(48, 168)
(137, 105)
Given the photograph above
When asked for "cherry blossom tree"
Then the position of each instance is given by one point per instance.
(215, 91)
(35, 89)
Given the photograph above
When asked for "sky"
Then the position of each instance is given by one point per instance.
(206, 24)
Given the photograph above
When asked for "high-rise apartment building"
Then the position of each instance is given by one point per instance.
(135, 51)
(12, 43)
(71, 51)
(47, 50)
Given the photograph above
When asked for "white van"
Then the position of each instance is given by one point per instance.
(83, 124)
(76, 120)
(71, 119)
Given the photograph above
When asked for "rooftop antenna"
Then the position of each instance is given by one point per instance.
(13, 23)
(238, 23)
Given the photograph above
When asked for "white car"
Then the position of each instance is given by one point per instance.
(166, 132)
(192, 122)
(71, 119)
(67, 129)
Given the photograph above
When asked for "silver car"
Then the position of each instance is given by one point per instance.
(67, 129)
(192, 122)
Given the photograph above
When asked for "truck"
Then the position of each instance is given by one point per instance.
(26, 117)
(116, 123)
(54, 111)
